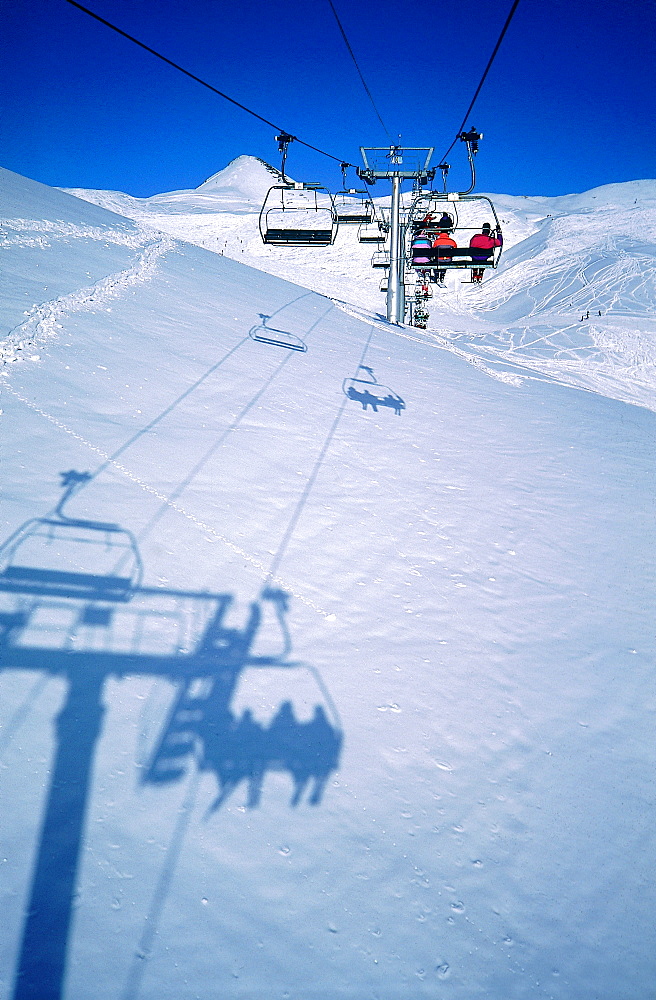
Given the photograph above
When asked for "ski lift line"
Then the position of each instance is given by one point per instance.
(148, 427)
(165, 412)
(198, 79)
(362, 79)
(483, 78)
(154, 915)
(277, 559)
(208, 529)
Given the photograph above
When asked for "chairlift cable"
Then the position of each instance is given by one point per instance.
(198, 79)
(483, 78)
(352, 54)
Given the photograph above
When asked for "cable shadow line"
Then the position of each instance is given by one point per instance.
(287, 305)
(153, 917)
(277, 559)
(223, 437)
(181, 487)
(21, 713)
(167, 410)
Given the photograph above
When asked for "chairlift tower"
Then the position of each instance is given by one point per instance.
(396, 163)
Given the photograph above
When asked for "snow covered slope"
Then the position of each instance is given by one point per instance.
(573, 298)
(374, 719)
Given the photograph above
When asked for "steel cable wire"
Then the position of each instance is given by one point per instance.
(483, 78)
(364, 84)
(198, 79)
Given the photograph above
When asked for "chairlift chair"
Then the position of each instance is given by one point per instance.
(372, 232)
(467, 214)
(70, 557)
(381, 258)
(354, 207)
(264, 334)
(298, 214)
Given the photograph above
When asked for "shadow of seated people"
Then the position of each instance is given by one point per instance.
(369, 392)
(72, 605)
(367, 398)
(312, 755)
(244, 750)
(235, 752)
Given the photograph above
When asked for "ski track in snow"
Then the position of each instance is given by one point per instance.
(45, 320)
(12, 233)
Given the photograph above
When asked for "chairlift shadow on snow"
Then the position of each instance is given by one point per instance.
(369, 392)
(265, 334)
(71, 557)
(70, 618)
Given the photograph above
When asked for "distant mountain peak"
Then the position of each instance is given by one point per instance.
(245, 175)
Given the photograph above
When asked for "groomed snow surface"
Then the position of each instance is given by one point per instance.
(346, 697)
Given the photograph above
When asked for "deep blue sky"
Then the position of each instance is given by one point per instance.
(567, 106)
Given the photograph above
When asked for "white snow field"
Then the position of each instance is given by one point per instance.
(303, 698)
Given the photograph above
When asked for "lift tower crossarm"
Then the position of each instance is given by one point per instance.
(396, 164)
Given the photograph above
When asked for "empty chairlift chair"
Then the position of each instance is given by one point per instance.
(381, 258)
(373, 232)
(354, 207)
(298, 214)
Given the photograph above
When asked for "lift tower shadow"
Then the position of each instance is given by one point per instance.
(87, 635)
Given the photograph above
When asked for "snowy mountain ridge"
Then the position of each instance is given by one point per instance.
(239, 187)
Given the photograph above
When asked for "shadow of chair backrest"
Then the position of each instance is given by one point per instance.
(71, 557)
(264, 333)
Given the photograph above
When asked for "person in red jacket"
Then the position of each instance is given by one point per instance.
(484, 241)
(442, 240)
